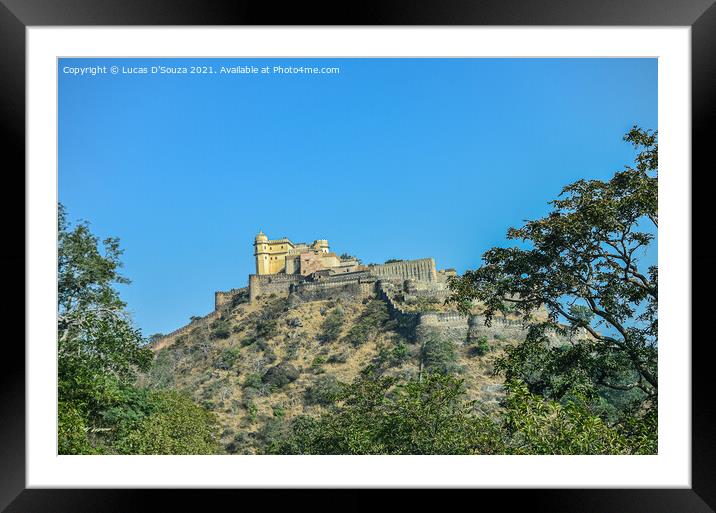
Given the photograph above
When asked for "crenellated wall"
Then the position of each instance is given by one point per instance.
(169, 338)
(223, 298)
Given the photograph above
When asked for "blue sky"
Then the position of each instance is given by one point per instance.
(390, 158)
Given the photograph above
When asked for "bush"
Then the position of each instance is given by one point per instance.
(266, 328)
(252, 381)
(332, 325)
(72, 431)
(438, 354)
(270, 355)
(478, 346)
(426, 304)
(220, 328)
(374, 317)
(534, 425)
(292, 349)
(338, 358)
(281, 375)
(175, 426)
(247, 341)
(359, 334)
(248, 396)
(324, 391)
(228, 357)
(391, 356)
(399, 354)
(380, 416)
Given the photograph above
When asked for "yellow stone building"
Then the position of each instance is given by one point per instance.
(281, 256)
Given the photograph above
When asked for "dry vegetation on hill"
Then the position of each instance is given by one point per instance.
(258, 366)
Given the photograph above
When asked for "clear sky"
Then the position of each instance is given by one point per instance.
(389, 158)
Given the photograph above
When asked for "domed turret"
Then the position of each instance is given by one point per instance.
(261, 237)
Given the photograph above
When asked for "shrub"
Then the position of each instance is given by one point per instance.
(292, 349)
(426, 304)
(323, 391)
(228, 357)
(438, 354)
(281, 375)
(175, 426)
(317, 362)
(399, 354)
(332, 325)
(253, 411)
(253, 381)
(478, 346)
(380, 416)
(248, 396)
(390, 356)
(338, 358)
(266, 328)
(374, 317)
(71, 431)
(220, 328)
(270, 355)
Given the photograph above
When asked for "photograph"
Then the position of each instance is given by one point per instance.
(357, 256)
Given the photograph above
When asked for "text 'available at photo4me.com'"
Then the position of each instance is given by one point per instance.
(235, 71)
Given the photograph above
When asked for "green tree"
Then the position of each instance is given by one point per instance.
(174, 424)
(379, 415)
(533, 425)
(437, 353)
(100, 352)
(582, 263)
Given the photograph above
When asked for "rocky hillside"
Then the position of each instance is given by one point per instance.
(259, 365)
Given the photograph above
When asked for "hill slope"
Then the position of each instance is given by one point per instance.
(259, 365)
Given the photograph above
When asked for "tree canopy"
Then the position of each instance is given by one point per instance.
(582, 263)
(100, 353)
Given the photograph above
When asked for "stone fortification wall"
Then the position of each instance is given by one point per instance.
(452, 324)
(457, 326)
(262, 285)
(351, 286)
(225, 298)
(422, 269)
(407, 320)
(169, 338)
(354, 276)
(319, 291)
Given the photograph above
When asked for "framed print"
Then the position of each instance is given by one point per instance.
(388, 250)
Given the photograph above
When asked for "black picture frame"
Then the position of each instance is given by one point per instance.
(17, 15)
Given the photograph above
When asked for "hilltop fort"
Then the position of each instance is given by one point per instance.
(311, 271)
(414, 290)
(310, 319)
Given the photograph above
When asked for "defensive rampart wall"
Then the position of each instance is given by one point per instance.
(422, 269)
(169, 338)
(262, 285)
(226, 298)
